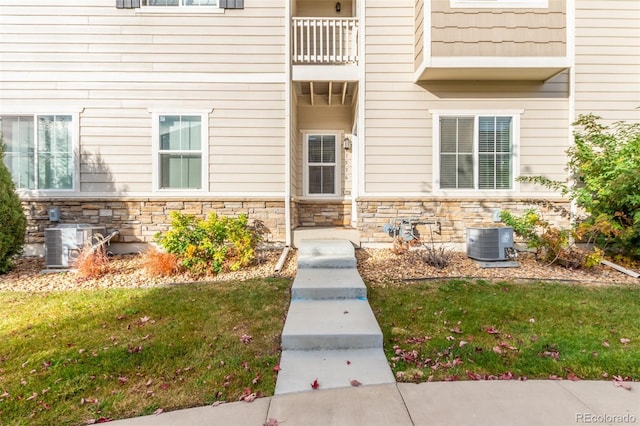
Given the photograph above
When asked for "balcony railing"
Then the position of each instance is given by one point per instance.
(325, 40)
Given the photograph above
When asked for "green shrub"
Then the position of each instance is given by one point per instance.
(210, 245)
(552, 244)
(13, 223)
(604, 167)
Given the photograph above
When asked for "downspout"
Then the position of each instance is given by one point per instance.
(361, 140)
(287, 120)
(571, 55)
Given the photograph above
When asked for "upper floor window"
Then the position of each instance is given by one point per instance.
(181, 3)
(476, 152)
(39, 150)
(181, 151)
(500, 4)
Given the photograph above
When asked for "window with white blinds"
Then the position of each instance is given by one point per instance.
(322, 152)
(476, 152)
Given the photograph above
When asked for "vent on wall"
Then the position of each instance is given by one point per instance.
(62, 243)
(492, 244)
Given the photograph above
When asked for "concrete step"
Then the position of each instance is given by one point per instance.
(330, 324)
(338, 254)
(326, 262)
(320, 233)
(326, 247)
(320, 283)
(332, 369)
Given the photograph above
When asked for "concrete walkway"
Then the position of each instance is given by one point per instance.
(496, 403)
(331, 334)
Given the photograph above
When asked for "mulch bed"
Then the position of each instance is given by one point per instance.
(376, 266)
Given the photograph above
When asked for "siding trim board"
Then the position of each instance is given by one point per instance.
(492, 68)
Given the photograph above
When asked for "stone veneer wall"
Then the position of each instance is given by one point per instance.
(138, 219)
(455, 215)
(323, 213)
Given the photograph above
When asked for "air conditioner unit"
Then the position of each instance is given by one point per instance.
(62, 243)
(490, 244)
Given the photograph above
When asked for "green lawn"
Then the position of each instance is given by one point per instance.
(461, 330)
(74, 356)
(69, 357)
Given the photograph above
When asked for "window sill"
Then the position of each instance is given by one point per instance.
(164, 10)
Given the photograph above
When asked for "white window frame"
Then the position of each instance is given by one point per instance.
(476, 114)
(204, 151)
(75, 149)
(337, 173)
(500, 4)
(181, 8)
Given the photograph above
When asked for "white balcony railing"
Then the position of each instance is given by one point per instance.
(325, 40)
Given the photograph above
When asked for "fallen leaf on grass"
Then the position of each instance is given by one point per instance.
(256, 379)
(33, 396)
(315, 385)
(144, 319)
(99, 420)
(88, 401)
(355, 383)
(605, 343)
(624, 341)
(248, 396)
(572, 376)
(492, 330)
(246, 339)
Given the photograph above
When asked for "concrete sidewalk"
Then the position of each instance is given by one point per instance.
(532, 402)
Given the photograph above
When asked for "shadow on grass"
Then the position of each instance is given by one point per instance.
(69, 357)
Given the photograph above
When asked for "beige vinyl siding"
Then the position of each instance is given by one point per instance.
(115, 152)
(117, 66)
(397, 123)
(322, 8)
(497, 31)
(608, 59)
(398, 156)
(296, 150)
(419, 33)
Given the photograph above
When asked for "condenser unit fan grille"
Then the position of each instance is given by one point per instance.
(489, 244)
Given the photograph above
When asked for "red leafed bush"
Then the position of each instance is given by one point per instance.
(160, 264)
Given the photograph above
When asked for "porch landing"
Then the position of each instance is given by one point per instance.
(325, 233)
